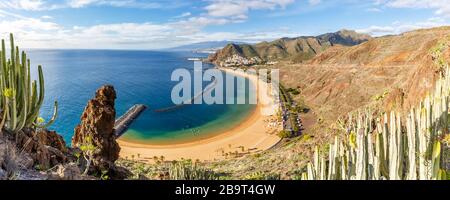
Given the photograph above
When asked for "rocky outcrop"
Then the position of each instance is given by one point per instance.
(97, 128)
(27, 154)
(68, 171)
(45, 148)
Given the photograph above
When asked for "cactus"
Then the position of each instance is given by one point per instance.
(394, 148)
(185, 170)
(21, 98)
(391, 147)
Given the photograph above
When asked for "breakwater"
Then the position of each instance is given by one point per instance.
(123, 122)
(190, 101)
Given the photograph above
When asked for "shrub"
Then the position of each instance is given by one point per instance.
(186, 170)
(262, 176)
(284, 134)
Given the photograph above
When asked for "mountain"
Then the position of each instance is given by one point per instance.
(296, 49)
(204, 46)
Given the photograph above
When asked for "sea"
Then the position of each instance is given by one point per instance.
(139, 77)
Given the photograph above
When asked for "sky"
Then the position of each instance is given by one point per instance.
(159, 24)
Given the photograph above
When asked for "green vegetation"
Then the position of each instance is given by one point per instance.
(293, 91)
(186, 170)
(301, 107)
(437, 51)
(21, 98)
(394, 148)
(262, 176)
(287, 104)
(301, 57)
(381, 96)
(285, 134)
(88, 150)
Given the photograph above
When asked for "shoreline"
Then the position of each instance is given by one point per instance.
(250, 136)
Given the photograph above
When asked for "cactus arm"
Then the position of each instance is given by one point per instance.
(435, 160)
(52, 120)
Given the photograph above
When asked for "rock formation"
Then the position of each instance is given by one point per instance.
(97, 128)
(46, 148)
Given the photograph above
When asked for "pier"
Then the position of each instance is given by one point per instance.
(190, 101)
(122, 123)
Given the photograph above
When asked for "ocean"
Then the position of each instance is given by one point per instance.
(139, 77)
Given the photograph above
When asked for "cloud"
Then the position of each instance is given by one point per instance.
(441, 7)
(81, 3)
(32, 5)
(115, 3)
(185, 14)
(398, 27)
(38, 5)
(37, 33)
(228, 8)
(314, 2)
(188, 28)
(374, 10)
(46, 17)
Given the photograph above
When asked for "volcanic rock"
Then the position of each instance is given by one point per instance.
(97, 129)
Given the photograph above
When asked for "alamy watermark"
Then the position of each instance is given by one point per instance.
(223, 89)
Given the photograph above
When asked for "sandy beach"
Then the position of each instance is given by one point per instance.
(257, 133)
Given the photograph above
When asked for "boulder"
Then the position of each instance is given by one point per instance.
(3, 175)
(97, 128)
(69, 172)
(46, 148)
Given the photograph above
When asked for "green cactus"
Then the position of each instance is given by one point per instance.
(186, 170)
(392, 148)
(21, 97)
(388, 149)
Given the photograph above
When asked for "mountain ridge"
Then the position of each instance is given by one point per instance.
(297, 49)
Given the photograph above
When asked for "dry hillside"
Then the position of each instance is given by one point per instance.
(396, 70)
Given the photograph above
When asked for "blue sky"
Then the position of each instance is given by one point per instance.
(156, 24)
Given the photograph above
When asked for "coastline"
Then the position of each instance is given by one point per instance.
(253, 135)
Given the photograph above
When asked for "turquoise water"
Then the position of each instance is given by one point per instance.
(139, 77)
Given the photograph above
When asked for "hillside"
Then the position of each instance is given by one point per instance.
(295, 49)
(343, 79)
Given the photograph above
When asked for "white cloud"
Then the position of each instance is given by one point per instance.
(228, 8)
(81, 3)
(46, 17)
(36, 5)
(188, 28)
(314, 2)
(115, 3)
(398, 27)
(36, 33)
(185, 14)
(441, 7)
(374, 10)
(32, 5)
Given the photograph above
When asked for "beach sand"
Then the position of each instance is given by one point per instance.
(253, 135)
